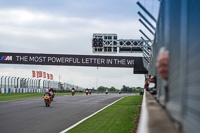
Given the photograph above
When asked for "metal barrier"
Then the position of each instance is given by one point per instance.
(8, 82)
(178, 31)
(21, 90)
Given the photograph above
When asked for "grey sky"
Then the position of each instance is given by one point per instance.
(66, 27)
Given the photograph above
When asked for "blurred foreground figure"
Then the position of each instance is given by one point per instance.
(162, 63)
(163, 67)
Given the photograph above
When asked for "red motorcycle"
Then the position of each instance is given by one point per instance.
(90, 92)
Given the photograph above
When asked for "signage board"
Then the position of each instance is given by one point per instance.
(72, 60)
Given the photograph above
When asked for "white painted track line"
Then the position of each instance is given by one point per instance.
(143, 123)
(88, 117)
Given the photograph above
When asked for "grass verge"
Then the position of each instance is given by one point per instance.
(117, 118)
(16, 96)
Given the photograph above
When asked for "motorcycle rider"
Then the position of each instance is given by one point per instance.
(51, 91)
(73, 91)
(106, 91)
(86, 91)
(47, 92)
(90, 91)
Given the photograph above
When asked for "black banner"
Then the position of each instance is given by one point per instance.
(71, 60)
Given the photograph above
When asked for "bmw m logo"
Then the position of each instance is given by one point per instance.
(7, 58)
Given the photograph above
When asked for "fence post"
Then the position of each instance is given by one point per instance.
(8, 81)
(18, 82)
(2, 81)
(5, 81)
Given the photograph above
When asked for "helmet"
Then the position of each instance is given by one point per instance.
(47, 91)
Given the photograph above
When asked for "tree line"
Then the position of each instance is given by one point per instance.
(125, 89)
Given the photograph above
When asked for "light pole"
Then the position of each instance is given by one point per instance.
(97, 78)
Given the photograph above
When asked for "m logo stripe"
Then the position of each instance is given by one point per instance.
(2, 57)
(5, 58)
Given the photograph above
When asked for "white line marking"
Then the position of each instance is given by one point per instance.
(88, 117)
(143, 123)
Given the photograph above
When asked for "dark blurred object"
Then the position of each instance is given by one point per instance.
(152, 85)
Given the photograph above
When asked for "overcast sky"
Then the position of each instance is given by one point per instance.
(66, 27)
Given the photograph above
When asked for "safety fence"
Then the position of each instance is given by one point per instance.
(10, 84)
(21, 90)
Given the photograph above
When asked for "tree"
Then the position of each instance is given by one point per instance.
(112, 89)
(101, 88)
(124, 88)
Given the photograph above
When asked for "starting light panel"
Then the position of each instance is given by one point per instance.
(104, 43)
(109, 43)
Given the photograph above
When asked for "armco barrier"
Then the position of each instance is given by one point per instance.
(2, 90)
(21, 90)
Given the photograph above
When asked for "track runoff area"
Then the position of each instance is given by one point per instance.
(65, 112)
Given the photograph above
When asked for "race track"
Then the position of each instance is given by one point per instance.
(31, 115)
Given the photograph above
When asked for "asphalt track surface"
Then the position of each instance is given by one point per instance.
(31, 115)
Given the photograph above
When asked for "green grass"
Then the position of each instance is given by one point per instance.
(117, 118)
(16, 96)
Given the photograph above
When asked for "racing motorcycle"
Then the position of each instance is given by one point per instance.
(47, 100)
(73, 92)
(90, 92)
(86, 92)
